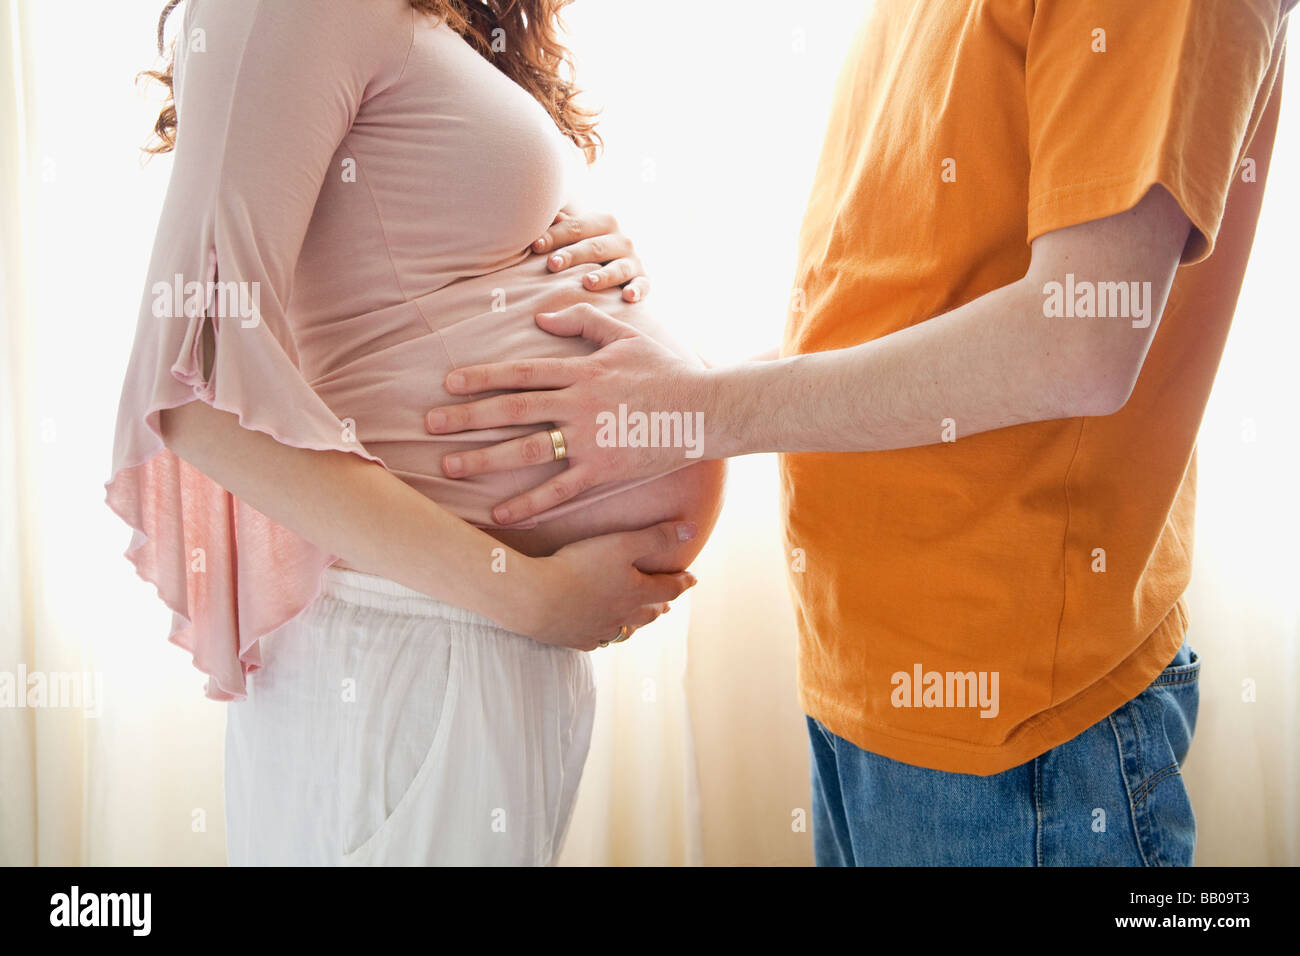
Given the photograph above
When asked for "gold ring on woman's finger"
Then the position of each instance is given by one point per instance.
(624, 633)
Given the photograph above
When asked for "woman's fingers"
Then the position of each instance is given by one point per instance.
(532, 449)
(612, 274)
(656, 539)
(669, 587)
(647, 614)
(628, 597)
(636, 290)
(643, 616)
(547, 240)
(613, 634)
(568, 229)
(573, 240)
(598, 248)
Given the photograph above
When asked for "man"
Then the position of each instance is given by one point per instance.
(994, 371)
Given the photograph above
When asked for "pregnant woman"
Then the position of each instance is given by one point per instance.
(355, 191)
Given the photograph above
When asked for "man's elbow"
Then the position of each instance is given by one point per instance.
(1101, 392)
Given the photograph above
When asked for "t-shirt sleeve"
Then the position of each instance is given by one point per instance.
(266, 92)
(1124, 95)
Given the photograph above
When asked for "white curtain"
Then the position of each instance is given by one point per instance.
(17, 728)
(714, 114)
(1244, 600)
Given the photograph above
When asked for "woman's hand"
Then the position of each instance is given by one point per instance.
(578, 237)
(584, 593)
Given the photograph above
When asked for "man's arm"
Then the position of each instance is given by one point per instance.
(999, 360)
(996, 361)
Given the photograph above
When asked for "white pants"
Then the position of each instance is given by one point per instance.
(389, 728)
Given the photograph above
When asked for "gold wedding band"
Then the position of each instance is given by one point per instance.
(624, 633)
(557, 442)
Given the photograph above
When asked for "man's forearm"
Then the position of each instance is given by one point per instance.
(1006, 358)
(988, 364)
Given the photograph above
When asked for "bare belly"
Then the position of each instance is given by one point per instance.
(490, 318)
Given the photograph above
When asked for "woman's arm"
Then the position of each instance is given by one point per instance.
(357, 510)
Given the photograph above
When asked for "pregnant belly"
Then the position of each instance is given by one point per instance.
(384, 395)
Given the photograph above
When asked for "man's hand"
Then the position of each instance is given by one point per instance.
(578, 237)
(629, 369)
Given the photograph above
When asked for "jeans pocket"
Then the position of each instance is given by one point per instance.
(1153, 732)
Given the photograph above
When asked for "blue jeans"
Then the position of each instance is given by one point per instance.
(1112, 796)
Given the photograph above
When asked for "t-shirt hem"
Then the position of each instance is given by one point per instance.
(1032, 738)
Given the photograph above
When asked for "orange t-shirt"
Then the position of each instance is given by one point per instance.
(970, 604)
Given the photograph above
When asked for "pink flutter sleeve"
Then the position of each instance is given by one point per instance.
(266, 92)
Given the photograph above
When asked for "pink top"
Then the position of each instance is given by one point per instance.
(352, 198)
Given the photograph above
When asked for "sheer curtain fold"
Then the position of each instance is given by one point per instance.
(17, 726)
